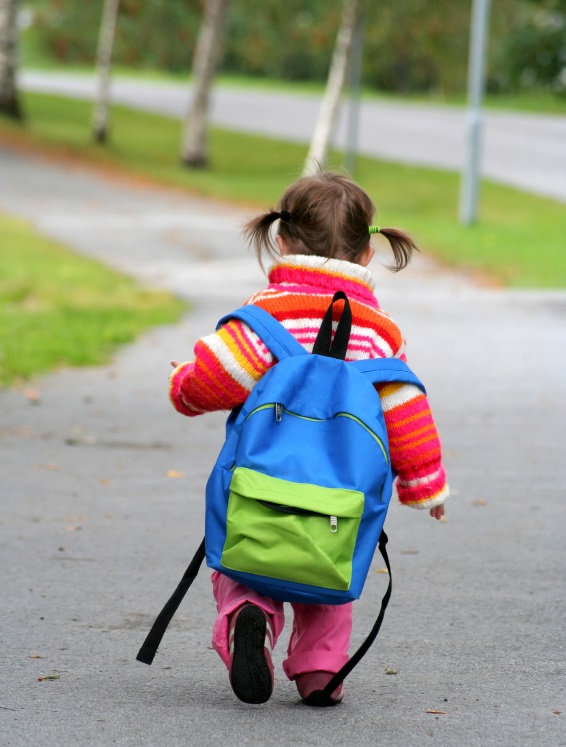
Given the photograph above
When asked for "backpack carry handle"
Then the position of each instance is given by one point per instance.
(337, 347)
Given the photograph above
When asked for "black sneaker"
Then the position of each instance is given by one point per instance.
(251, 643)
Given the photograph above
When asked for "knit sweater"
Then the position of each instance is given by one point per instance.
(229, 363)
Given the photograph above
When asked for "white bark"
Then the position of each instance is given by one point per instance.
(327, 116)
(9, 97)
(194, 150)
(100, 117)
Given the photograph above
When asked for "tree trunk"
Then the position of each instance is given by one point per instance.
(324, 128)
(9, 98)
(100, 117)
(194, 151)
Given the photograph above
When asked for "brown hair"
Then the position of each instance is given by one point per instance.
(327, 215)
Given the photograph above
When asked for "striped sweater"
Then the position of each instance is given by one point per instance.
(228, 364)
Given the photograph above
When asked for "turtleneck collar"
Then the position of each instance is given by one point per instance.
(331, 274)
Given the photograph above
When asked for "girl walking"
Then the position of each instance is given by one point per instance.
(322, 246)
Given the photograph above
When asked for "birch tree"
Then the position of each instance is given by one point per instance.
(9, 97)
(327, 116)
(100, 117)
(194, 150)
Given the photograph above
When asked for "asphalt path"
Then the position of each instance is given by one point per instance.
(102, 491)
(527, 151)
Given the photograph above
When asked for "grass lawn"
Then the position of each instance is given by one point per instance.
(518, 241)
(43, 327)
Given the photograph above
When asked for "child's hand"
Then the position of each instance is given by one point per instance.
(437, 512)
(175, 363)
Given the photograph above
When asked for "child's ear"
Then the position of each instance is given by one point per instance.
(282, 244)
(366, 256)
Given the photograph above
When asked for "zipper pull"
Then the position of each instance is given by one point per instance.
(278, 412)
(333, 524)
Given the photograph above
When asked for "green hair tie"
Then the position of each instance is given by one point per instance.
(374, 229)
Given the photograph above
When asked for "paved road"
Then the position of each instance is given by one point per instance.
(522, 150)
(94, 534)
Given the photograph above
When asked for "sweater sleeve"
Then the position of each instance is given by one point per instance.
(227, 366)
(414, 446)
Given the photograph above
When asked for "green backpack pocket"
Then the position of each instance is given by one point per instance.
(291, 531)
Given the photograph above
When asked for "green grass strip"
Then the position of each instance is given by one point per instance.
(518, 241)
(58, 308)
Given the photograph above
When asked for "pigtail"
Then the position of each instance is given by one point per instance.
(327, 215)
(257, 233)
(402, 246)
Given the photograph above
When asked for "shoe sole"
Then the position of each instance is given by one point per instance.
(250, 674)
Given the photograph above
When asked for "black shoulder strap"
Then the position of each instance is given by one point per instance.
(153, 639)
(323, 697)
(337, 347)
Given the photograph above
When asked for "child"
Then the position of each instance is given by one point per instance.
(323, 243)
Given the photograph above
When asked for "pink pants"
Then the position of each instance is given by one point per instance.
(320, 637)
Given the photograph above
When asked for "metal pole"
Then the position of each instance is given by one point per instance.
(469, 190)
(353, 125)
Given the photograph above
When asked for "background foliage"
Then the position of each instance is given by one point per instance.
(409, 45)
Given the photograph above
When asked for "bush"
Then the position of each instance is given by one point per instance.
(533, 58)
(409, 45)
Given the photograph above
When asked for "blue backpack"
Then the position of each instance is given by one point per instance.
(296, 501)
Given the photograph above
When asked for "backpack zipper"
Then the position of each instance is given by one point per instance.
(371, 433)
(279, 410)
(282, 508)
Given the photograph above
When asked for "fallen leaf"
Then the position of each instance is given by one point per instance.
(33, 396)
(104, 481)
(73, 528)
(432, 710)
(381, 570)
(391, 671)
(479, 502)
(557, 713)
(174, 474)
(36, 656)
(49, 677)
(409, 552)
